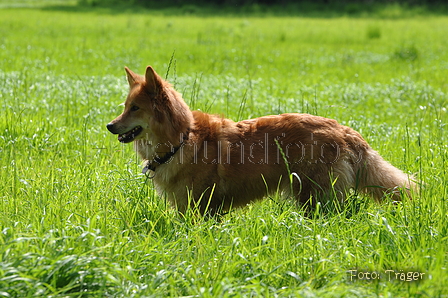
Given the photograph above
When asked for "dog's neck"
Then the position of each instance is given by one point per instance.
(157, 161)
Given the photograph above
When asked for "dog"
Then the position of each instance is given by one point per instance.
(208, 162)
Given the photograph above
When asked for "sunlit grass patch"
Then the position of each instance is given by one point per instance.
(78, 219)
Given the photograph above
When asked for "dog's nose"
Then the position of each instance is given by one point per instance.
(110, 127)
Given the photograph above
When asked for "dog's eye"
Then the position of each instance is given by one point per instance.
(134, 108)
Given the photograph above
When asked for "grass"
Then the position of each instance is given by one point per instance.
(77, 219)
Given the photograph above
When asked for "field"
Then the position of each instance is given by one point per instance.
(78, 219)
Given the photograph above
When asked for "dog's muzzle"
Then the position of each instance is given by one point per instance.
(126, 137)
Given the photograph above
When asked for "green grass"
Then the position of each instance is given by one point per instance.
(77, 219)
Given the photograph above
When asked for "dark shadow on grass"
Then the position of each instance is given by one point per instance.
(302, 9)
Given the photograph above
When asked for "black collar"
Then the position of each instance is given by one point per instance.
(161, 160)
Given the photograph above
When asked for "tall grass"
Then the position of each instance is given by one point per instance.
(78, 219)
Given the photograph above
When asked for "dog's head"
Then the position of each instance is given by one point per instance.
(153, 110)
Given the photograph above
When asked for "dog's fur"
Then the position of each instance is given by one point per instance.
(213, 163)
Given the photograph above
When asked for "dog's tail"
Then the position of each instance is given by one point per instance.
(379, 178)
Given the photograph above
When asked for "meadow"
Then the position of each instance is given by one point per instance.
(78, 219)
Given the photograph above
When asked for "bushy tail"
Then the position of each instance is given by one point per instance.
(378, 178)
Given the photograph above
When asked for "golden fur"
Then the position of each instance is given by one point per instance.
(214, 163)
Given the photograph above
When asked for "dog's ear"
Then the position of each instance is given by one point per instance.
(132, 77)
(153, 80)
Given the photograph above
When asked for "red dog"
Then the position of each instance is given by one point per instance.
(207, 161)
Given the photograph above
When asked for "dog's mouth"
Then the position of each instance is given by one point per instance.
(130, 135)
